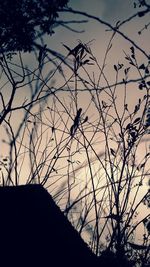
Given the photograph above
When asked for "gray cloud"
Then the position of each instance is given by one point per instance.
(109, 10)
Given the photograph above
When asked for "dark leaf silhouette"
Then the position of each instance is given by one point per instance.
(75, 125)
(69, 49)
(41, 54)
(148, 83)
(142, 67)
(115, 68)
(82, 53)
(112, 151)
(147, 155)
(86, 119)
(53, 129)
(19, 34)
(86, 61)
(137, 247)
(132, 49)
(137, 107)
(137, 120)
(128, 126)
(142, 165)
(141, 14)
(113, 216)
(146, 70)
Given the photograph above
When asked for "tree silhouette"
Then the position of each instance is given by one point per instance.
(87, 153)
(21, 22)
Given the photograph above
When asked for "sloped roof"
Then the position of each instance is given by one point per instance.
(34, 231)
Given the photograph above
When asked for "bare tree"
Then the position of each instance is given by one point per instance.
(88, 155)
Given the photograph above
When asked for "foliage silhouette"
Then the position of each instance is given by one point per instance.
(21, 21)
(87, 153)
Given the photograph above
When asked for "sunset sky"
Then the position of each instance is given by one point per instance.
(62, 111)
(109, 11)
(98, 36)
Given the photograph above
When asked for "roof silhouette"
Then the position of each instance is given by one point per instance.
(34, 231)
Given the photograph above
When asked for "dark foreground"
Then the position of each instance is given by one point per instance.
(34, 232)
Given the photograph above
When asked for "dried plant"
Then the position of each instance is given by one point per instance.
(81, 136)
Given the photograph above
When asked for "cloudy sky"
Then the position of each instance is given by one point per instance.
(109, 11)
(99, 35)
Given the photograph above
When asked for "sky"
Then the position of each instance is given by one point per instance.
(111, 12)
(107, 9)
(99, 36)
